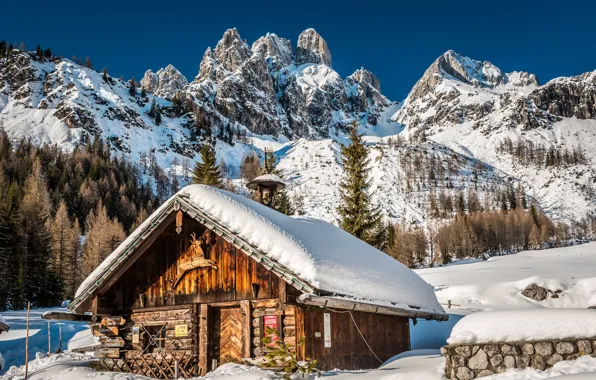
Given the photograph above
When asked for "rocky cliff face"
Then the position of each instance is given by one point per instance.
(165, 82)
(271, 89)
(312, 48)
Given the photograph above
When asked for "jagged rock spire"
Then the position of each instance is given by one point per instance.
(231, 51)
(165, 83)
(312, 48)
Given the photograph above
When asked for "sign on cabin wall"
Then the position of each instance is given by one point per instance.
(272, 322)
(136, 332)
(327, 329)
(181, 330)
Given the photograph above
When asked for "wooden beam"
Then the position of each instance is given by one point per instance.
(246, 328)
(62, 316)
(112, 353)
(113, 321)
(345, 304)
(203, 339)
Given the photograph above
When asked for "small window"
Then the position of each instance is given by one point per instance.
(154, 338)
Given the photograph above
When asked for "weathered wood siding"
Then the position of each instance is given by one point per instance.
(119, 353)
(153, 275)
(387, 336)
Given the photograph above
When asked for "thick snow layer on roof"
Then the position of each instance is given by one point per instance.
(524, 325)
(319, 253)
(268, 177)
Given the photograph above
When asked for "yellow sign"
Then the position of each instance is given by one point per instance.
(181, 330)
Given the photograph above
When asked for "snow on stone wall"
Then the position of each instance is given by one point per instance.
(470, 361)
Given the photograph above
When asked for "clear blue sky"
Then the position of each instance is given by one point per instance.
(396, 40)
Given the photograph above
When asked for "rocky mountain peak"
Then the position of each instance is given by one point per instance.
(469, 71)
(273, 47)
(165, 83)
(207, 67)
(312, 48)
(366, 77)
(522, 79)
(231, 51)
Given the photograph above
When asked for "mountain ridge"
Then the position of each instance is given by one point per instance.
(256, 97)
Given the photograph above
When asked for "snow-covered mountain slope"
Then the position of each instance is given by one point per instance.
(456, 90)
(399, 177)
(473, 107)
(291, 101)
(57, 101)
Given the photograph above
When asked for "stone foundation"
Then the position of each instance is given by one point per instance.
(470, 361)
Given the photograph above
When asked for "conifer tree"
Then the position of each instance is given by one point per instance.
(104, 73)
(38, 52)
(41, 286)
(357, 215)
(65, 245)
(103, 235)
(141, 216)
(132, 87)
(207, 172)
(2, 49)
(10, 294)
(47, 53)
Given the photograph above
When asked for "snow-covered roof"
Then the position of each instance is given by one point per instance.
(315, 256)
(524, 325)
(268, 177)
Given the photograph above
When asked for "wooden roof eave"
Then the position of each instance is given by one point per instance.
(80, 303)
(354, 305)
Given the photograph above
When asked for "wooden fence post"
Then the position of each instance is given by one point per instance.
(27, 342)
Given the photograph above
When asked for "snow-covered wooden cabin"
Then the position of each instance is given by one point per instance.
(200, 280)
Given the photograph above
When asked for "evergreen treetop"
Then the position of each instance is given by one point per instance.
(207, 172)
(357, 215)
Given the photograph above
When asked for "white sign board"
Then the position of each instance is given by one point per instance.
(327, 329)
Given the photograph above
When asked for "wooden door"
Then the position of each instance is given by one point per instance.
(226, 336)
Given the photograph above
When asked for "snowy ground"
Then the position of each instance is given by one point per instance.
(12, 343)
(471, 285)
(498, 282)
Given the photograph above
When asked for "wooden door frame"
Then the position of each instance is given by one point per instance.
(206, 325)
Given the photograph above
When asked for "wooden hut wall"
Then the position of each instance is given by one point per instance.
(148, 282)
(387, 336)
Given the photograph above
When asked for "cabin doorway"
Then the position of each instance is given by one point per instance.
(227, 340)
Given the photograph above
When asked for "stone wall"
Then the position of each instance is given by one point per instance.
(470, 361)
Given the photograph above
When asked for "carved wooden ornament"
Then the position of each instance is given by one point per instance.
(195, 259)
(179, 222)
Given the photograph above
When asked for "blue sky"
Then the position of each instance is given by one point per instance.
(396, 40)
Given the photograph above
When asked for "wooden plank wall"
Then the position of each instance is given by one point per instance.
(387, 335)
(154, 273)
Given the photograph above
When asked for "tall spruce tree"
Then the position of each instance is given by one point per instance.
(10, 293)
(41, 286)
(207, 172)
(357, 215)
(65, 248)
